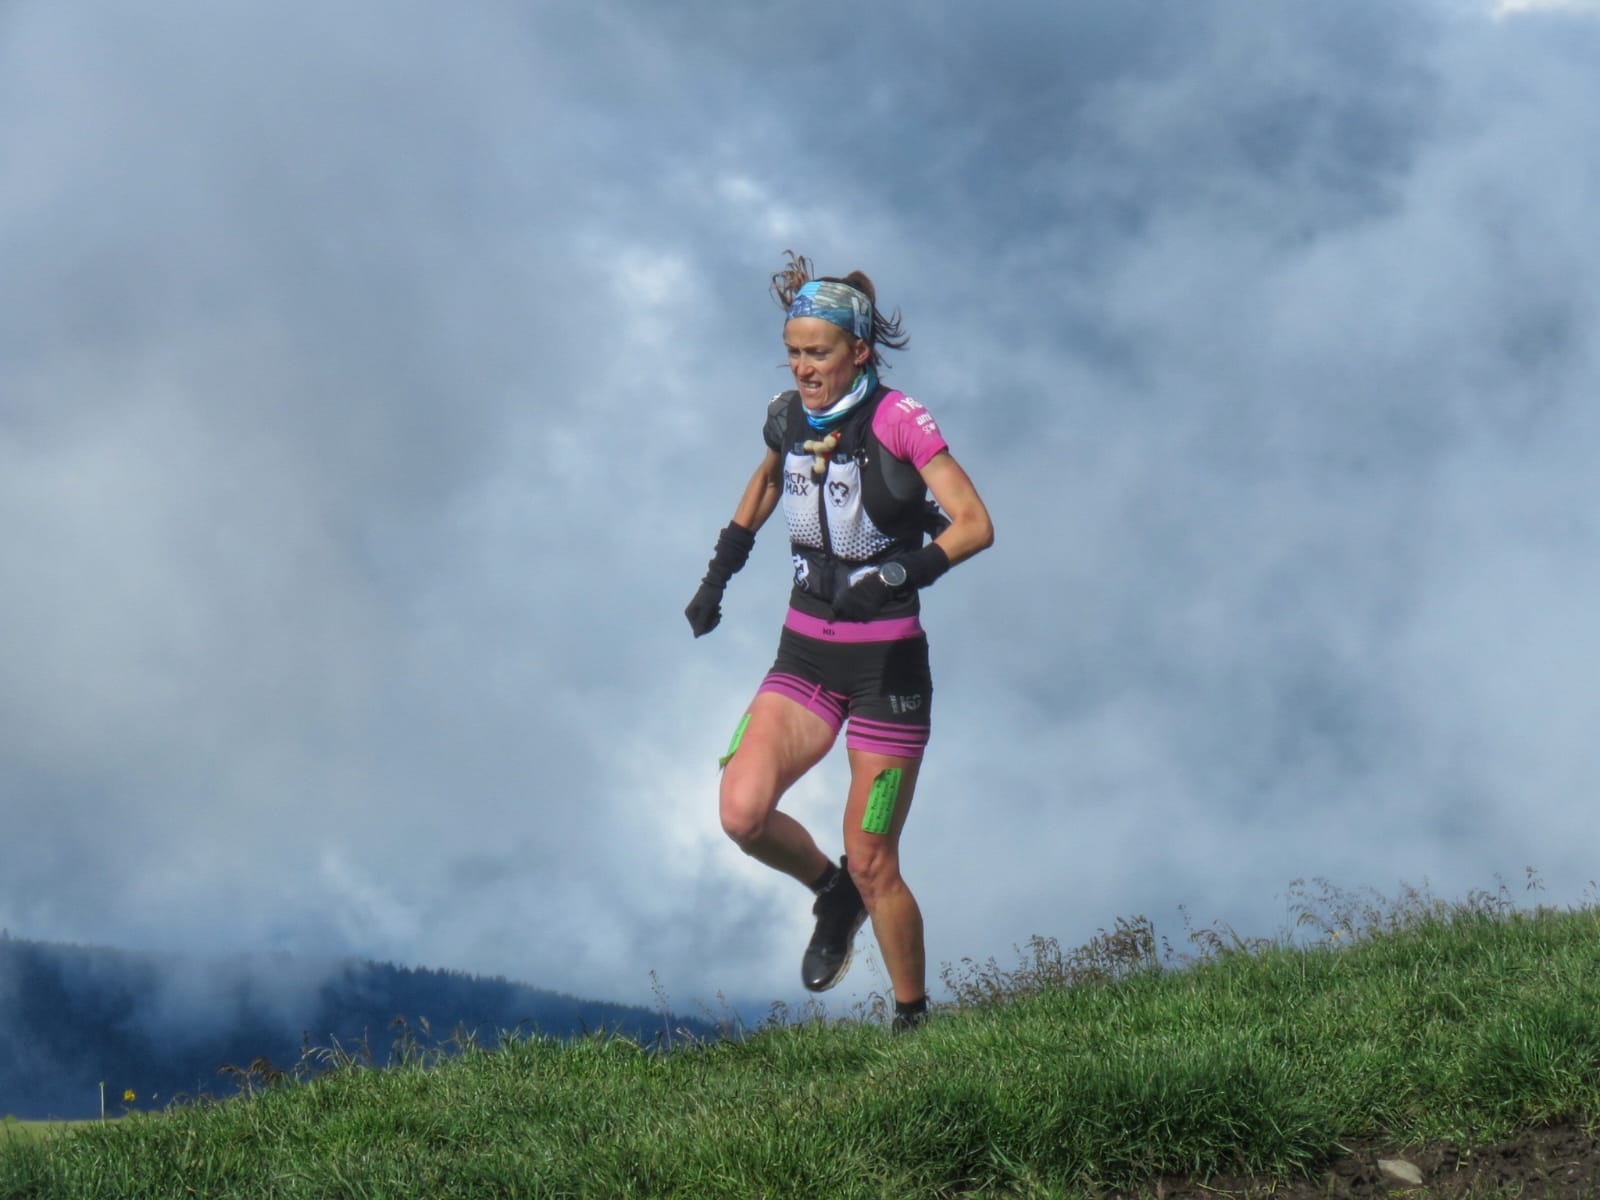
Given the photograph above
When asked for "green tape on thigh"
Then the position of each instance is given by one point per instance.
(881, 800)
(733, 746)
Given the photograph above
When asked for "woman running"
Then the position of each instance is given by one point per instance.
(852, 463)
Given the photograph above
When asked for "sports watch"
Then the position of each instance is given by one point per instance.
(893, 573)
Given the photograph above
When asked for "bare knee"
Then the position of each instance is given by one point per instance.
(747, 830)
(744, 819)
(875, 870)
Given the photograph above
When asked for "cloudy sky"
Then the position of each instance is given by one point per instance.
(375, 376)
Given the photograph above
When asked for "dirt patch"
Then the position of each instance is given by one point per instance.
(1561, 1162)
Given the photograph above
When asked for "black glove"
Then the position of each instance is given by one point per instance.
(705, 610)
(865, 598)
(925, 565)
(733, 548)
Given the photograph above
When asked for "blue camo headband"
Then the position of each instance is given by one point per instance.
(838, 303)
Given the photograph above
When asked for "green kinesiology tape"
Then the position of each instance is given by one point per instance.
(881, 800)
(733, 746)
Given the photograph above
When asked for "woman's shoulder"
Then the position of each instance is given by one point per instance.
(907, 429)
(776, 431)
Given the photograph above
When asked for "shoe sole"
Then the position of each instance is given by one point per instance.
(844, 967)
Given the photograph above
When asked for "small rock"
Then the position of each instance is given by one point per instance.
(1399, 1168)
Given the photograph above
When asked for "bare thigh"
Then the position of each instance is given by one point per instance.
(782, 741)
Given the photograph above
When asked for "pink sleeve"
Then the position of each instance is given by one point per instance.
(907, 429)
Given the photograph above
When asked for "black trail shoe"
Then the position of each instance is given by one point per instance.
(839, 914)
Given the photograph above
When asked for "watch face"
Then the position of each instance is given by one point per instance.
(893, 573)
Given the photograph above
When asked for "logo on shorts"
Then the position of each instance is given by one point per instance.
(904, 704)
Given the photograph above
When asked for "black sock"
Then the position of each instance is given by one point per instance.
(909, 1016)
(820, 884)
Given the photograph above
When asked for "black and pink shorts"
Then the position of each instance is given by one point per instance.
(874, 673)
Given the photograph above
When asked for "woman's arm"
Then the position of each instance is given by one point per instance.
(734, 544)
(970, 531)
(761, 494)
(970, 528)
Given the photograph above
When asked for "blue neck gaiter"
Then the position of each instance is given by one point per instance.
(866, 383)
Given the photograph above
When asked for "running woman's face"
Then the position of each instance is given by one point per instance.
(824, 360)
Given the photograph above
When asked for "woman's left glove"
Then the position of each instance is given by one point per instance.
(866, 598)
(733, 549)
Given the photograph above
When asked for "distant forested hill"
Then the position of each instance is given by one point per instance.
(162, 1026)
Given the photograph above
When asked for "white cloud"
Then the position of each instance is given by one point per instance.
(362, 437)
(1506, 8)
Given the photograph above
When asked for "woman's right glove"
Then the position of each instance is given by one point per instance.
(733, 549)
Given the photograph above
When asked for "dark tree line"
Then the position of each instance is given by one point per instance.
(169, 1027)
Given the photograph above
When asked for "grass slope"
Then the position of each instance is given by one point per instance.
(1072, 1076)
(10, 1127)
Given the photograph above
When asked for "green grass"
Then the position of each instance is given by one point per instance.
(1070, 1075)
(10, 1127)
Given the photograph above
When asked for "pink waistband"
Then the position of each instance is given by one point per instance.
(895, 629)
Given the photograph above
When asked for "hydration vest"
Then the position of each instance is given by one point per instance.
(865, 506)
